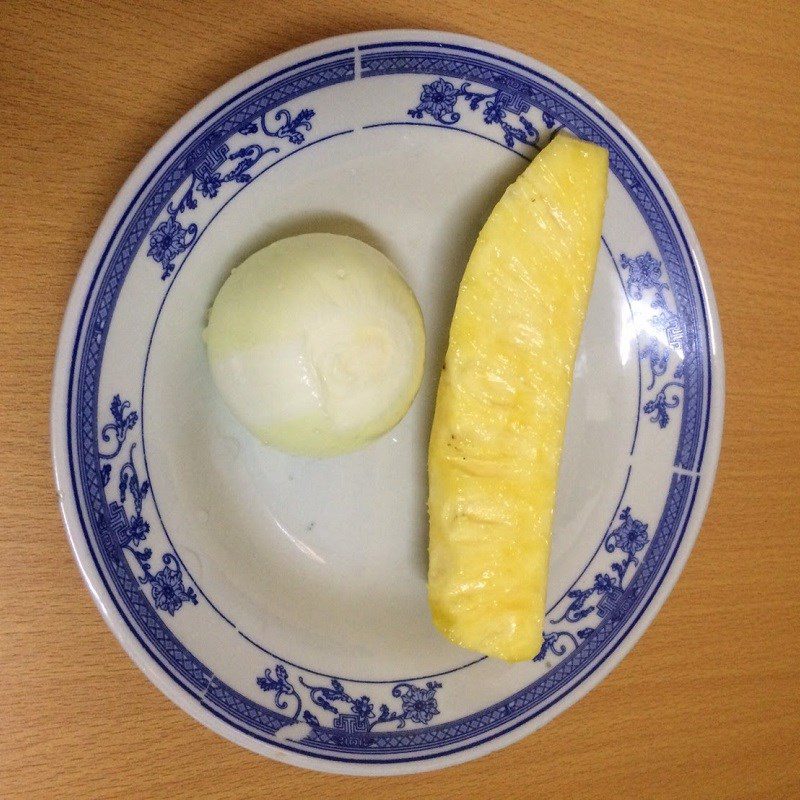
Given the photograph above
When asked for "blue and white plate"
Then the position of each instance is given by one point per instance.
(282, 601)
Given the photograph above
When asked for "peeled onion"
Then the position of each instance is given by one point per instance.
(316, 343)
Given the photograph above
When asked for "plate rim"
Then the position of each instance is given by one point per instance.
(107, 231)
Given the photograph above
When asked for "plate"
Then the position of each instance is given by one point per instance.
(281, 601)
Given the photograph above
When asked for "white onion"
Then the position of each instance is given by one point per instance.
(316, 343)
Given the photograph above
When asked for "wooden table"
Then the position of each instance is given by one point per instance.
(712, 89)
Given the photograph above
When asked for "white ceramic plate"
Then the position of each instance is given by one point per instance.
(282, 601)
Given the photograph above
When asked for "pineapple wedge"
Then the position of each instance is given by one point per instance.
(502, 402)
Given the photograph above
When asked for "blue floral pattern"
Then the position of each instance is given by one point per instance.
(171, 237)
(657, 357)
(124, 421)
(644, 282)
(351, 713)
(630, 537)
(169, 240)
(129, 482)
(603, 594)
(167, 589)
(439, 99)
(658, 405)
(289, 127)
(419, 705)
(643, 273)
(130, 528)
(280, 685)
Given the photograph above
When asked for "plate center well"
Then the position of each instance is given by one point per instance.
(323, 562)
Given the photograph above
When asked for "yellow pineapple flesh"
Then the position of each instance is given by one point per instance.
(502, 402)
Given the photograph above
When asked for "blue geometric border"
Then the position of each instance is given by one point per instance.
(145, 623)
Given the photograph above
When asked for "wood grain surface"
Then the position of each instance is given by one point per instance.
(712, 89)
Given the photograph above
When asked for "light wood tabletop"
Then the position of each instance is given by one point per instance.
(712, 89)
